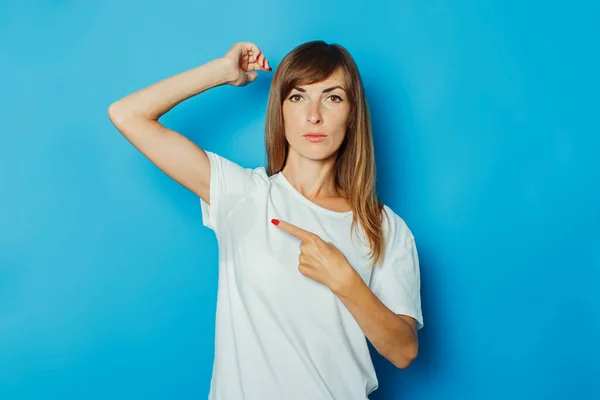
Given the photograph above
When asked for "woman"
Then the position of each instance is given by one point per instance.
(308, 265)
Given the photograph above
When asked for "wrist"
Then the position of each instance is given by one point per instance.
(349, 285)
(228, 70)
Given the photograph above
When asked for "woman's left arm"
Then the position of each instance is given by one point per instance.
(394, 336)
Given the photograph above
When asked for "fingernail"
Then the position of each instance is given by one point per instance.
(275, 221)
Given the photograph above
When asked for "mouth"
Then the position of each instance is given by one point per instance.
(315, 137)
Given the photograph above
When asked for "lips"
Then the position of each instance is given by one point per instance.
(315, 138)
(315, 135)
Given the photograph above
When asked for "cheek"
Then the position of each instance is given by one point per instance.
(339, 119)
(292, 118)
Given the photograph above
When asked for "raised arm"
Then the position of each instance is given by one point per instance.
(136, 115)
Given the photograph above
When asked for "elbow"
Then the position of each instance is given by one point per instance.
(116, 114)
(404, 363)
(405, 359)
(122, 115)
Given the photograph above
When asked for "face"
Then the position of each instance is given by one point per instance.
(321, 108)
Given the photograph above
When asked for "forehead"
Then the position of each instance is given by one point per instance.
(338, 77)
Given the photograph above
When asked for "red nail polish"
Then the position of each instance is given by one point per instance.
(275, 221)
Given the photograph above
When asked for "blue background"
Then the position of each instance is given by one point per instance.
(487, 143)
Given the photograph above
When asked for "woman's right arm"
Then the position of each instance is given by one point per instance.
(136, 115)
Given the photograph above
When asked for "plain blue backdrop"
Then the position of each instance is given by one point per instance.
(487, 142)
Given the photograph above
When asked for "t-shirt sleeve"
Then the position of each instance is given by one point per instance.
(397, 283)
(229, 183)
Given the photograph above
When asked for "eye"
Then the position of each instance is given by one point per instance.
(291, 98)
(338, 98)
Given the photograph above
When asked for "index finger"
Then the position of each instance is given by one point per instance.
(294, 230)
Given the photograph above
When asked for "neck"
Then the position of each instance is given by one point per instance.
(313, 178)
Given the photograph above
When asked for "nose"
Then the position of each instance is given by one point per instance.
(314, 113)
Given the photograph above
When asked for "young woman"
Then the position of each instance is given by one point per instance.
(311, 262)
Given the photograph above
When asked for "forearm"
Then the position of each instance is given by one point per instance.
(391, 336)
(155, 100)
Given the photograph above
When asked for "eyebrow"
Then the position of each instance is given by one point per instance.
(324, 90)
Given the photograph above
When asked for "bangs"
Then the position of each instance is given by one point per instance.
(313, 64)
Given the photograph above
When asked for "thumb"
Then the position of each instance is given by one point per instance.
(252, 76)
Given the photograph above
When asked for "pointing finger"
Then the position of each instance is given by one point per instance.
(293, 230)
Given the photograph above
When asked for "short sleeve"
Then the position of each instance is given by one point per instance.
(229, 183)
(397, 283)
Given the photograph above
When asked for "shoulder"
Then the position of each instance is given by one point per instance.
(234, 169)
(397, 232)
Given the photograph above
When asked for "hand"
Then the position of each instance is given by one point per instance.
(244, 59)
(320, 260)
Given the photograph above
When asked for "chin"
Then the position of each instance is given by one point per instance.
(315, 153)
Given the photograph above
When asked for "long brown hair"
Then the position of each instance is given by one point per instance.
(354, 169)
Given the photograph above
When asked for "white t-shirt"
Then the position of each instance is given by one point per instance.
(279, 334)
